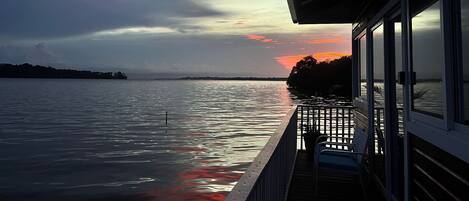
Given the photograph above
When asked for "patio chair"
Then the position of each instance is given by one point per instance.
(350, 161)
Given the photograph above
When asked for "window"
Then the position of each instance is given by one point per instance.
(398, 67)
(363, 66)
(465, 52)
(378, 76)
(378, 100)
(428, 57)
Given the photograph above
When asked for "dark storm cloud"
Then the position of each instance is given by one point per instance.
(36, 19)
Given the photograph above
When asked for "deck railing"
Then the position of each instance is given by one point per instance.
(338, 123)
(334, 121)
(268, 176)
(379, 123)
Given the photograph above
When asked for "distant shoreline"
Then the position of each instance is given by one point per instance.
(229, 78)
(35, 71)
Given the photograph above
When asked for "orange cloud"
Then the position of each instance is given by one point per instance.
(326, 56)
(325, 41)
(259, 38)
(289, 61)
(255, 37)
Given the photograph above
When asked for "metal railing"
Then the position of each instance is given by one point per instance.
(337, 122)
(334, 121)
(379, 123)
(268, 176)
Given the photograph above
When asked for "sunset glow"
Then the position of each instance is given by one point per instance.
(325, 56)
(153, 46)
(255, 37)
(289, 61)
(325, 41)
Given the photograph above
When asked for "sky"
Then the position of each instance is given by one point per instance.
(165, 37)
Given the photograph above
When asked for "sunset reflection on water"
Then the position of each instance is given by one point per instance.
(114, 144)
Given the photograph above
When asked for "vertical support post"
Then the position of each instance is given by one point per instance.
(337, 122)
(307, 119)
(349, 124)
(324, 120)
(330, 124)
(313, 119)
(406, 60)
(355, 69)
(301, 128)
(319, 119)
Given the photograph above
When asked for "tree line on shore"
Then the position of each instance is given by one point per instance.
(326, 78)
(35, 71)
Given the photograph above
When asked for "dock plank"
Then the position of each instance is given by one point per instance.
(333, 185)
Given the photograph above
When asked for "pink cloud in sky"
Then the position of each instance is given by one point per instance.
(255, 37)
(259, 38)
(326, 56)
(288, 61)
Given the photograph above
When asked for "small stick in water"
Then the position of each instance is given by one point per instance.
(166, 118)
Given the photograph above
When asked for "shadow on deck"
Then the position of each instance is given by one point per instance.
(333, 185)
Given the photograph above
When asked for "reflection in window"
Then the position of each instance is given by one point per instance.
(378, 76)
(465, 49)
(378, 66)
(398, 67)
(427, 55)
(363, 66)
(378, 96)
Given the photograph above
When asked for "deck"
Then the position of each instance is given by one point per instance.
(275, 175)
(333, 186)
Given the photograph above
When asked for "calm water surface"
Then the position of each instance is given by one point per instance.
(107, 139)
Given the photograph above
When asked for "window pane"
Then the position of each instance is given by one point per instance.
(378, 77)
(427, 55)
(398, 63)
(363, 66)
(378, 67)
(465, 49)
(378, 103)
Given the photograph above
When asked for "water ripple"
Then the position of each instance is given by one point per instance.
(89, 139)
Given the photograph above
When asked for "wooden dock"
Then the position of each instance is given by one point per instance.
(333, 186)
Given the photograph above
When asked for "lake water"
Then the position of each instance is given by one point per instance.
(108, 140)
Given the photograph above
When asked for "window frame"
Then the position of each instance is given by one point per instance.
(358, 76)
(423, 117)
(460, 126)
(447, 133)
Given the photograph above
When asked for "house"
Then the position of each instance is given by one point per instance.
(411, 98)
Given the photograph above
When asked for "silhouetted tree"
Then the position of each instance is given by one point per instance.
(322, 78)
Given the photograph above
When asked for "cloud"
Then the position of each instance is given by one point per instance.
(325, 41)
(255, 37)
(45, 19)
(259, 38)
(325, 56)
(36, 54)
(288, 61)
